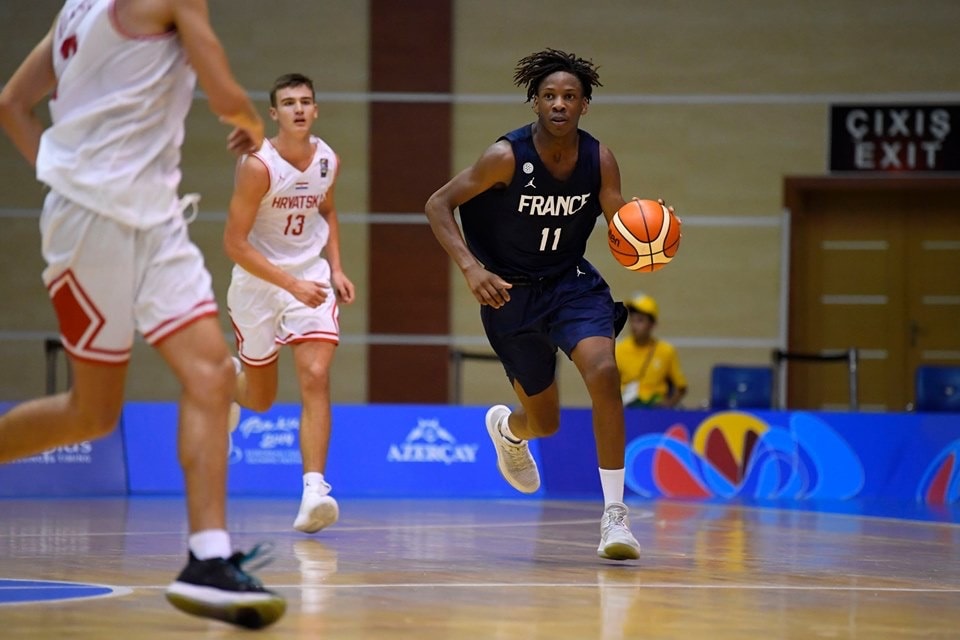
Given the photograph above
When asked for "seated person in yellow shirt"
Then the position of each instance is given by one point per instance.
(650, 374)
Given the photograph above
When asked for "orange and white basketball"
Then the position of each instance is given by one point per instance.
(644, 235)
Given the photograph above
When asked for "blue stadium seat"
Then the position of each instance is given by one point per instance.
(741, 387)
(938, 388)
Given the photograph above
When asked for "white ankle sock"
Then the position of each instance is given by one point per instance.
(611, 480)
(508, 435)
(314, 480)
(211, 543)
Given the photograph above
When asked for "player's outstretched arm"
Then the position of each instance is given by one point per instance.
(228, 99)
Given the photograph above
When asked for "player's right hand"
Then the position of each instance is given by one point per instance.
(488, 288)
(309, 293)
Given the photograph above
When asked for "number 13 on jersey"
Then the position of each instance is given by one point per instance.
(294, 224)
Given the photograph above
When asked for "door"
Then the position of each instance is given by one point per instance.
(932, 243)
(875, 266)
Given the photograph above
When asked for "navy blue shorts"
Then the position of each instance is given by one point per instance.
(546, 315)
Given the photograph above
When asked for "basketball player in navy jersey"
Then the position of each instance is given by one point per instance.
(527, 207)
(121, 75)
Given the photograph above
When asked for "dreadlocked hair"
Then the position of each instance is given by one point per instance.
(531, 71)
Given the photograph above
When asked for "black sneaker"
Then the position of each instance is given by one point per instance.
(219, 588)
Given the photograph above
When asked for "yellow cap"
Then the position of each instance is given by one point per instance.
(643, 303)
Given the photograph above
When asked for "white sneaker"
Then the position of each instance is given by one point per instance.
(616, 541)
(317, 510)
(516, 464)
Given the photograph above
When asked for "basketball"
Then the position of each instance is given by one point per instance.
(644, 235)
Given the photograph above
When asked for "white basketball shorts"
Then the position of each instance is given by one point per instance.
(265, 317)
(108, 280)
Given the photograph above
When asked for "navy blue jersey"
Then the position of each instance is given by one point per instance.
(538, 226)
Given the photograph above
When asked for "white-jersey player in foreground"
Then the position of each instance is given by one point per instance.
(283, 292)
(121, 74)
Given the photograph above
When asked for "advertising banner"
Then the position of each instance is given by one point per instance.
(89, 468)
(767, 455)
(375, 450)
(424, 451)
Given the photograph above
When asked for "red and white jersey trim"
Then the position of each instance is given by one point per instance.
(168, 328)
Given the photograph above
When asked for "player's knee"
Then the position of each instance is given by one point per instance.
(211, 381)
(602, 373)
(314, 378)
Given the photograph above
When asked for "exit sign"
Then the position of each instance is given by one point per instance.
(895, 138)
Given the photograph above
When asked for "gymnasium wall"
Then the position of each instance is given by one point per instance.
(708, 105)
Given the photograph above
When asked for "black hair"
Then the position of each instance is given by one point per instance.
(289, 80)
(532, 70)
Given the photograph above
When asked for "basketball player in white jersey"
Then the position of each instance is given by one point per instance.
(121, 76)
(282, 292)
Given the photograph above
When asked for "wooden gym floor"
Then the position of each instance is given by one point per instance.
(428, 569)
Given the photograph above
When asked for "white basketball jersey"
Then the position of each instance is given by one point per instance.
(289, 230)
(118, 113)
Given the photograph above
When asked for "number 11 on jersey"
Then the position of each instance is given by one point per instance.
(545, 239)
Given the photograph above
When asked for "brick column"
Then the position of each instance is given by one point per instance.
(410, 52)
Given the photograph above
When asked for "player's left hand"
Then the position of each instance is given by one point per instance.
(240, 142)
(660, 200)
(669, 208)
(346, 293)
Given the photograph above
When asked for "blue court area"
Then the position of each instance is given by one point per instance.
(33, 591)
